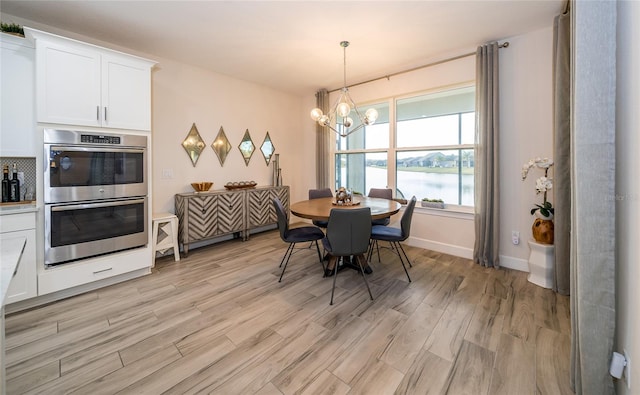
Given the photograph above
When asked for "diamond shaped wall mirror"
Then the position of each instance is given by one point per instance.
(267, 148)
(246, 147)
(221, 146)
(193, 144)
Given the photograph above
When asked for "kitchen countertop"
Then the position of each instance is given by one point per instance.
(17, 208)
(10, 253)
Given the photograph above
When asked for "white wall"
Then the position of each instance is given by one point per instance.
(526, 132)
(628, 190)
(184, 94)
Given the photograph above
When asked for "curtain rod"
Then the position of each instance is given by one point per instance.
(388, 76)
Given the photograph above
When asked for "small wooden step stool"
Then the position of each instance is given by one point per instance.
(166, 224)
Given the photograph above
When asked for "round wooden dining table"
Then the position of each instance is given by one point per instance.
(319, 209)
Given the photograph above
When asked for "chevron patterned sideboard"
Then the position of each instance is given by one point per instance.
(211, 214)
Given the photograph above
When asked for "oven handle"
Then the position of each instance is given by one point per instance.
(51, 147)
(97, 205)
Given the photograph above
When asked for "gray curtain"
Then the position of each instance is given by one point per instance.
(487, 196)
(562, 148)
(322, 143)
(593, 156)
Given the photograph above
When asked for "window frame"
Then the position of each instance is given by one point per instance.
(392, 150)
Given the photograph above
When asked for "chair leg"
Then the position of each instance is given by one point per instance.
(335, 275)
(288, 256)
(405, 254)
(358, 257)
(399, 248)
(378, 249)
(285, 255)
(320, 257)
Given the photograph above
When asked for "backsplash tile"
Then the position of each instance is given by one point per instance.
(25, 165)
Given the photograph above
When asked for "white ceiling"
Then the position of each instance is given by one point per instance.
(294, 46)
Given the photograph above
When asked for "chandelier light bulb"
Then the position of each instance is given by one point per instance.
(323, 120)
(343, 109)
(371, 115)
(316, 113)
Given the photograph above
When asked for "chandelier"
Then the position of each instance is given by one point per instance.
(340, 111)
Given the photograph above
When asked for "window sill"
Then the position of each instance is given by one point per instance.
(462, 212)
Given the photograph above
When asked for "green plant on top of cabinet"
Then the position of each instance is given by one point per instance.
(83, 84)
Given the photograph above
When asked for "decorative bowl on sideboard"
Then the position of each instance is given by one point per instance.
(240, 185)
(201, 186)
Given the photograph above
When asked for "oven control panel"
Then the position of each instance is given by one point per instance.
(94, 139)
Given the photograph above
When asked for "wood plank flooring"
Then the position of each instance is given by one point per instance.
(219, 322)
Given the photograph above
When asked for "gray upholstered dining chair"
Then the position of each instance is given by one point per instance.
(382, 193)
(396, 235)
(295, 235)
(317, 194)
(348, 234)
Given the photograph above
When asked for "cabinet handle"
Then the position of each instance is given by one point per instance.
(103, 270)
(98, 113)
(105, 114)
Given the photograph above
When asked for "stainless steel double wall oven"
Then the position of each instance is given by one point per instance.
(95, 193)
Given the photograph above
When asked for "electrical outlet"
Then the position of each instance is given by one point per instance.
(515, 237)
(626, 373)
(167, 174)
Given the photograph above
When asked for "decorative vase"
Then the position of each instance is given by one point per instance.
(544, 217)
(542, 230)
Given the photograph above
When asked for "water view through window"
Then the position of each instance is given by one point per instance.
(431, 153)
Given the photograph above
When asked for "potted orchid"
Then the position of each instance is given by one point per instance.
(543, 184)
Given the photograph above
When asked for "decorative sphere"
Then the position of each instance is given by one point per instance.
(343, 109)
(315, 114)
(347, 122)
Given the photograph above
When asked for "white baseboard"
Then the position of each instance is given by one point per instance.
(465, 252)
(444, 248)
(510, 262)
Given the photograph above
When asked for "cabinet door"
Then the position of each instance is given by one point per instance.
(17, 109)
(281, 193)
(24, 284)
(68, 84)
(230, 212)
(259, 207)
(126, 93)
(202, 217)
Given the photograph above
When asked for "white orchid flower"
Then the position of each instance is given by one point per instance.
(543, 184)
(544, 163)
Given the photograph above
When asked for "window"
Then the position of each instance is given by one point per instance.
(361, 157)
(428, 152)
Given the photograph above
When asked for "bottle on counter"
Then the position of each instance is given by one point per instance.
(14, 185)
(5, 183)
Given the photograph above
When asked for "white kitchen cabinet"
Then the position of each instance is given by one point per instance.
(17, 90)
(83, 84)
(25, 282)
(85, 271)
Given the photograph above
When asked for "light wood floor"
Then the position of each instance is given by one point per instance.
(219, 322)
